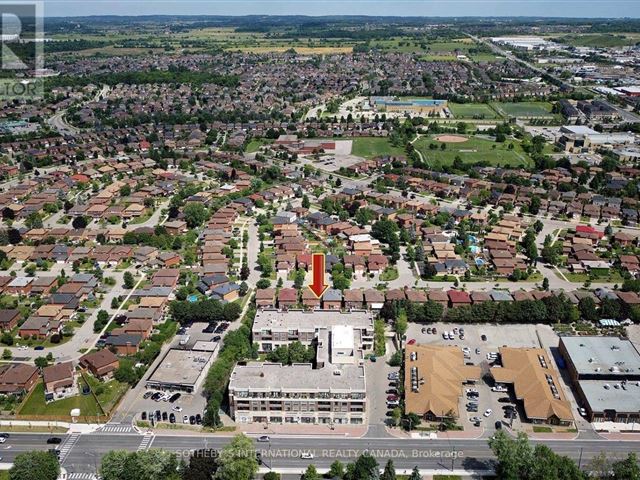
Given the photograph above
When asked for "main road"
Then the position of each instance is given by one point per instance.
(83, 454)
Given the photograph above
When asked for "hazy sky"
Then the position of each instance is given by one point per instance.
(549, 8)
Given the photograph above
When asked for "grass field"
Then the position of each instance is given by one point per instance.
(599, 40)
(523, 109)
(36, 405)
(371, 147)
(255, 144)
(472, 151)
(472, 110)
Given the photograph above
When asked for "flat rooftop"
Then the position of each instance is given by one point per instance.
(182, 367)
(300, 377)
(619, 399)
(310, 320)
(611, 355)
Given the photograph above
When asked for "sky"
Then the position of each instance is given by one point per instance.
(429, 8)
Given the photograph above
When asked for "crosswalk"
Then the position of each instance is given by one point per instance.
(116, 428)
(147, 440)
(82, 476)
(68, 444)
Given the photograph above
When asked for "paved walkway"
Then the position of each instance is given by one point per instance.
(303, 430)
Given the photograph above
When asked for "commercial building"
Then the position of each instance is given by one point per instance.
(433, 380)
(332, 393)
(605, 372)
(183, 370)
(535, 384)
(415, 106)
(273, 328)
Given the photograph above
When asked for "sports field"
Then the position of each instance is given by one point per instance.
(473, 110)
(523, 109)
(371, 147)
(474, 150)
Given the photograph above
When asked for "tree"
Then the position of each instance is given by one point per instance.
(415, 474)
(41, 362)
(6, 354)
(271, 476)
(244, 288)
(144, 465)
(35, 466)
(401, 324)
(365, 468)
(195, 214)
(129, 281)
(237, 460)
(627, 468)
(202, 465)
(588, 309)
(299, 278)
(310, 474)
(389, 471)
(6, 338)
(244, 271)
(545, 283)
(305, 202)
(33, 220)
(336, 470)
(263, 283)
(79, 223)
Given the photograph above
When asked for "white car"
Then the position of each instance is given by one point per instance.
(306, 455)
(3, 439)
(176, 408)
(185, 419)
(582, 411)
(498, 388)
(488, 412)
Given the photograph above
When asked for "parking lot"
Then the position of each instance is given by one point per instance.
(196, 337)
(379, 387)
(480, 344)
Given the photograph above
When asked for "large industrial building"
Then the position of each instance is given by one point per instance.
(605, 372)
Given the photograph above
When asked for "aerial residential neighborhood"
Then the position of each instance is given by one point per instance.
(368, 242)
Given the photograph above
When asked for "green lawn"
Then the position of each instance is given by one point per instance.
(472, 151)
(523, 109)
(473, 110)
(36, 405)
(389, 274)
(599, 40)
(108, 393)
(541, 429)
(371, 147)
(255, 144)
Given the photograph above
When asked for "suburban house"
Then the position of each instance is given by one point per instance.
(59, 381)
(101, 364)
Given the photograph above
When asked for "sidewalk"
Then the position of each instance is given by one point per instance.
(301, 430)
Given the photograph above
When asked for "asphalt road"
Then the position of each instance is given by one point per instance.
(284, 452)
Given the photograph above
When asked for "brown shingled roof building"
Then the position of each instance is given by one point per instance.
(441, 372)
(535, 383)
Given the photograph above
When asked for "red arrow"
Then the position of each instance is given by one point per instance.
(318, 286)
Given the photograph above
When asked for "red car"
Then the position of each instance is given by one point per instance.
(411, 342)
(392, 398)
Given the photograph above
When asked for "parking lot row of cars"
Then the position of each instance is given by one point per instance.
(164, 416)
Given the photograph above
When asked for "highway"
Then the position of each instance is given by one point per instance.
(284, 452)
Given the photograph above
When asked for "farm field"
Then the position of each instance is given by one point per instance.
(473, 110)
(371, 147)
(475, 149)
(600, 40)
(523, 109)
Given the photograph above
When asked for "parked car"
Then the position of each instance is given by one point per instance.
(582, 411)
(209, 328)
(176, 408)
(143, 415)
(498, 388)
(174, 397)
(498, 425)
(172, 418)
(50, 440)
(198, 419)
(483, 337)
(147, 395)
(411, 342)
(392, 398)
(488, 412)
(504, 400)
(158, 415)
(393, 376)
(185, 419)
(216, 338)
(165, 417)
